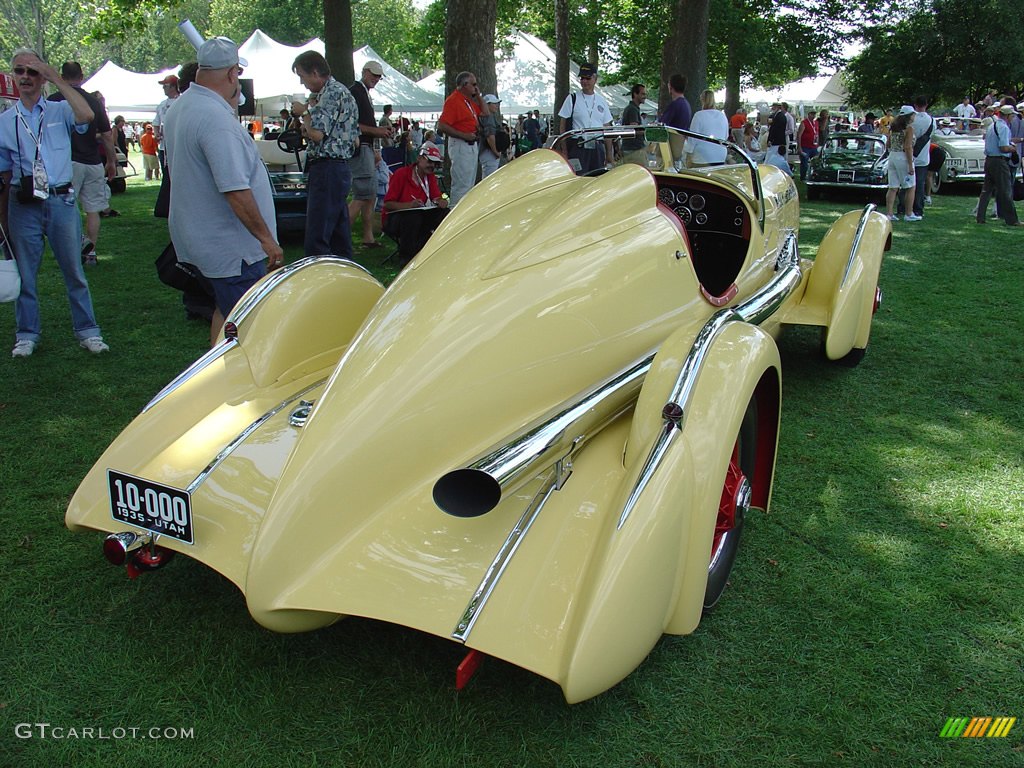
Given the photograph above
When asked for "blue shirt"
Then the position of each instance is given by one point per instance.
(54, 121)
(995, 137)
(678, 114)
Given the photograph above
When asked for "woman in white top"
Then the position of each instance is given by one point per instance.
(709, 122)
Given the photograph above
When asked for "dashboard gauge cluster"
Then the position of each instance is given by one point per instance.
(698, 209)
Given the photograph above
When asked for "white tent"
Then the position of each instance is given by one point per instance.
(526, 80)
(275, 85)
(133, 95)
(269, 65)
(821, 91)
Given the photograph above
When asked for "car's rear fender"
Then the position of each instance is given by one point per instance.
(650, 574)
(281, 343)
(840, 287)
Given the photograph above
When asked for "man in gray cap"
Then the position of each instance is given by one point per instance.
(224, 224)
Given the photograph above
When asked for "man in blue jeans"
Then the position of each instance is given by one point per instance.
(35, 159)
(330, 122)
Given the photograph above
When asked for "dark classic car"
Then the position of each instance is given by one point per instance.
(850, 160)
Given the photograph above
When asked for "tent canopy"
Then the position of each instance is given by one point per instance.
(821, 91)
(269, 64)
(526, 81)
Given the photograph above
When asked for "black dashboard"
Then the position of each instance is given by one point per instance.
(704, 207)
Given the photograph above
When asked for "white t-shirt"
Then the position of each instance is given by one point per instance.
(709, 122)
(965, 110)
(922, 121)
(591, 111)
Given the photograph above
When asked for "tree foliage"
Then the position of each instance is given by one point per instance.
(946, 50)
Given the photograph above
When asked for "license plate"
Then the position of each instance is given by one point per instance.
(845, 176)
(155, 507)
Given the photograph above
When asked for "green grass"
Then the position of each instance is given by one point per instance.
(879, 596)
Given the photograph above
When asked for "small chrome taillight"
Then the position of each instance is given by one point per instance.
(117, 546)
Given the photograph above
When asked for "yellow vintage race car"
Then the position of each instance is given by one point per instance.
(540, 441)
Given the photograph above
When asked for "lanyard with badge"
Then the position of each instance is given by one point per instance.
(40, 184)
(590, 143)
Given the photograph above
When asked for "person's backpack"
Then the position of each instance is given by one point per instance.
(502, 141)
(568, 120)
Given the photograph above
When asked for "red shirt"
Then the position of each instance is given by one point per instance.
(809, 137)
(738, 120)
(460, 113)
(404, 188)
(148, 143)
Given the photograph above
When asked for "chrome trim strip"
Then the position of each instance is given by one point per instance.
(861, 226)
(556, 436)
(502, 559)
(842, 185)
(241, 437)
(249, 303)
(208, 358)
(755, 310)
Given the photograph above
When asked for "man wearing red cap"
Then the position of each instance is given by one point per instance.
(170, 84)
(413, 191)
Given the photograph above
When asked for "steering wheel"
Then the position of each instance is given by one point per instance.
(291, 140)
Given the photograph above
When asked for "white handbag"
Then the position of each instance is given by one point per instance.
(10, 280)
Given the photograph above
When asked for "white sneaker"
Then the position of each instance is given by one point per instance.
(912, 217)
(893, 217)
(23, 348)
(94, 344)
(928, 200)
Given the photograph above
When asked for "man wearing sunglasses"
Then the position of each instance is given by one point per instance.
(35, 158)
(223, 222)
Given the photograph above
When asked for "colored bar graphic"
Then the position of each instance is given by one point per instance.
(1001, 727)
(975, 727)
(954, 727)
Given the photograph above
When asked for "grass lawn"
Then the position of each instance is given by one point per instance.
(880, 596)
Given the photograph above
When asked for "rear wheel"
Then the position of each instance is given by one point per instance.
(746, 478)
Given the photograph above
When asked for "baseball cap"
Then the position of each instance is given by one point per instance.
(429, 150)
(169, 80)
(1020, 107)
(1006, 109)
(490, 98)
(906, 109)
(588, 70)
(219, 53)
(374, 68)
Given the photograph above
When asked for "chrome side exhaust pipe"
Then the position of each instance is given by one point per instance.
(478, 488)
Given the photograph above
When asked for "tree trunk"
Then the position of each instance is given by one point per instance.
(469, 43)
(338, 40)
(732, 81)
(561, 55)
(686, 49)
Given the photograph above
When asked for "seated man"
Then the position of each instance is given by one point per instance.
(413, 206)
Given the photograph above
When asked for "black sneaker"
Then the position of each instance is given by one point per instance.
(88, 247)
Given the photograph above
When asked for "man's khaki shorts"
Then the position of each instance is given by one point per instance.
(90, 181)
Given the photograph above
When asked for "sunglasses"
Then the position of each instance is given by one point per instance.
(26, 71)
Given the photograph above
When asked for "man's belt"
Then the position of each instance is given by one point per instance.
(315, 160)
(61, 189)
